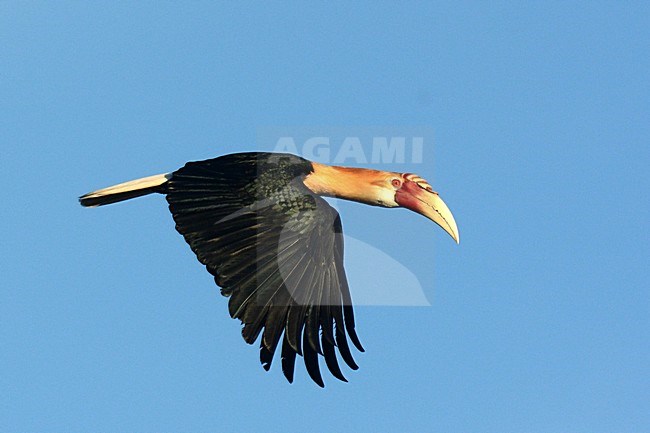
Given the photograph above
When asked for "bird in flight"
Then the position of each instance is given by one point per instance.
(259, 224)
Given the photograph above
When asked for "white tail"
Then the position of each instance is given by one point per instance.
(124, 191)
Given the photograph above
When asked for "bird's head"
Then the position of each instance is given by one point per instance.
(386, 189)
(412, 192)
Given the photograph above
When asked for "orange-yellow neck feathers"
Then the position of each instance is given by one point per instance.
(363, 185)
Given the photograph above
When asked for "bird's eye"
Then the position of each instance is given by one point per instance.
(396, 183)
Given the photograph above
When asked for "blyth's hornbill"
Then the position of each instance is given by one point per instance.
(275, 247)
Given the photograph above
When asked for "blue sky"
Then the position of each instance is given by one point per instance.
(539, 321)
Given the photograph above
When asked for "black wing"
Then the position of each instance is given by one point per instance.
(274, 248)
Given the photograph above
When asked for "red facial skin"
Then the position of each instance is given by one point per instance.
(407, 196)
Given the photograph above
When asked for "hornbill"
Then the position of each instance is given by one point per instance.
(275, 247)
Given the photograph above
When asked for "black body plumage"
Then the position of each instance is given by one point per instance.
(275, 249)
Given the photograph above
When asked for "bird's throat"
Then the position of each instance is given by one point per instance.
(356, 184)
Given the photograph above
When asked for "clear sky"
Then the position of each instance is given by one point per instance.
(539, 321)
